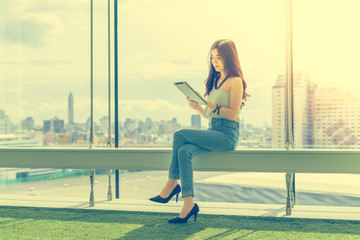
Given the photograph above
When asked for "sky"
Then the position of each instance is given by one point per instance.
(45, 53)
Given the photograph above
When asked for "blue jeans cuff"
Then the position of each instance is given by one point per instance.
(174, 176)
(187, 193)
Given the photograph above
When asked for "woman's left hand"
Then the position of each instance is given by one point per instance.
(194, 105)
(210, 105)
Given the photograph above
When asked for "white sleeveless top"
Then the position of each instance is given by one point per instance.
(221, 98)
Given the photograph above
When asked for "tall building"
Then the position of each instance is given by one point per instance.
(141, 126)
(104, 123)
(70, 110)
(303, 106)
(54, 125)
(148, 124)
(337, 119)
(196, 121)
(168, 126)
(5, 124)
(2, 122)
(130, 124)
(27, 123)
(278, 113)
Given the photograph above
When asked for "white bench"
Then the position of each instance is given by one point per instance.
(286, 161)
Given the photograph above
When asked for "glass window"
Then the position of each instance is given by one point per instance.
(326, 49)
(44, 89)
(45, 85)
(158, 48)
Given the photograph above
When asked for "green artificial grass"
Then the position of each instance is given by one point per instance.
(54, 223)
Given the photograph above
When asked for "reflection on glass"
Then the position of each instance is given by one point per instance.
(326, 52)
(303, 105)
(326, 99)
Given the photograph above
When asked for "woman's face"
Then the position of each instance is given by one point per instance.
(217, 61)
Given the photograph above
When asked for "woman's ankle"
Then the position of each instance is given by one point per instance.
(189, 201)
(172, 182)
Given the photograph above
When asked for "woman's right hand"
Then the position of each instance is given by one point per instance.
(195, 105)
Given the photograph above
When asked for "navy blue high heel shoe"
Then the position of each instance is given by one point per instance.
(159, 199)
(194, 211)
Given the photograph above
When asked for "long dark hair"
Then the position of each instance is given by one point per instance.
(228, 52)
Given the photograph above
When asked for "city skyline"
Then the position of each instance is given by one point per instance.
(311, 112)
(324, 118)
(50, 59)
(70, 108)
(45, 54)
(100, 123)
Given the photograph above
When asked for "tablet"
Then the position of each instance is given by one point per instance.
(188, 91)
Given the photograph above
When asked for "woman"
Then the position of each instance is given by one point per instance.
(225, 88)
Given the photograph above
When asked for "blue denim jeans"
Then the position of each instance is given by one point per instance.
(222, 136)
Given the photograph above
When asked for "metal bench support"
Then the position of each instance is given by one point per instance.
(290, 192)
(109, 196)
(92, 179)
